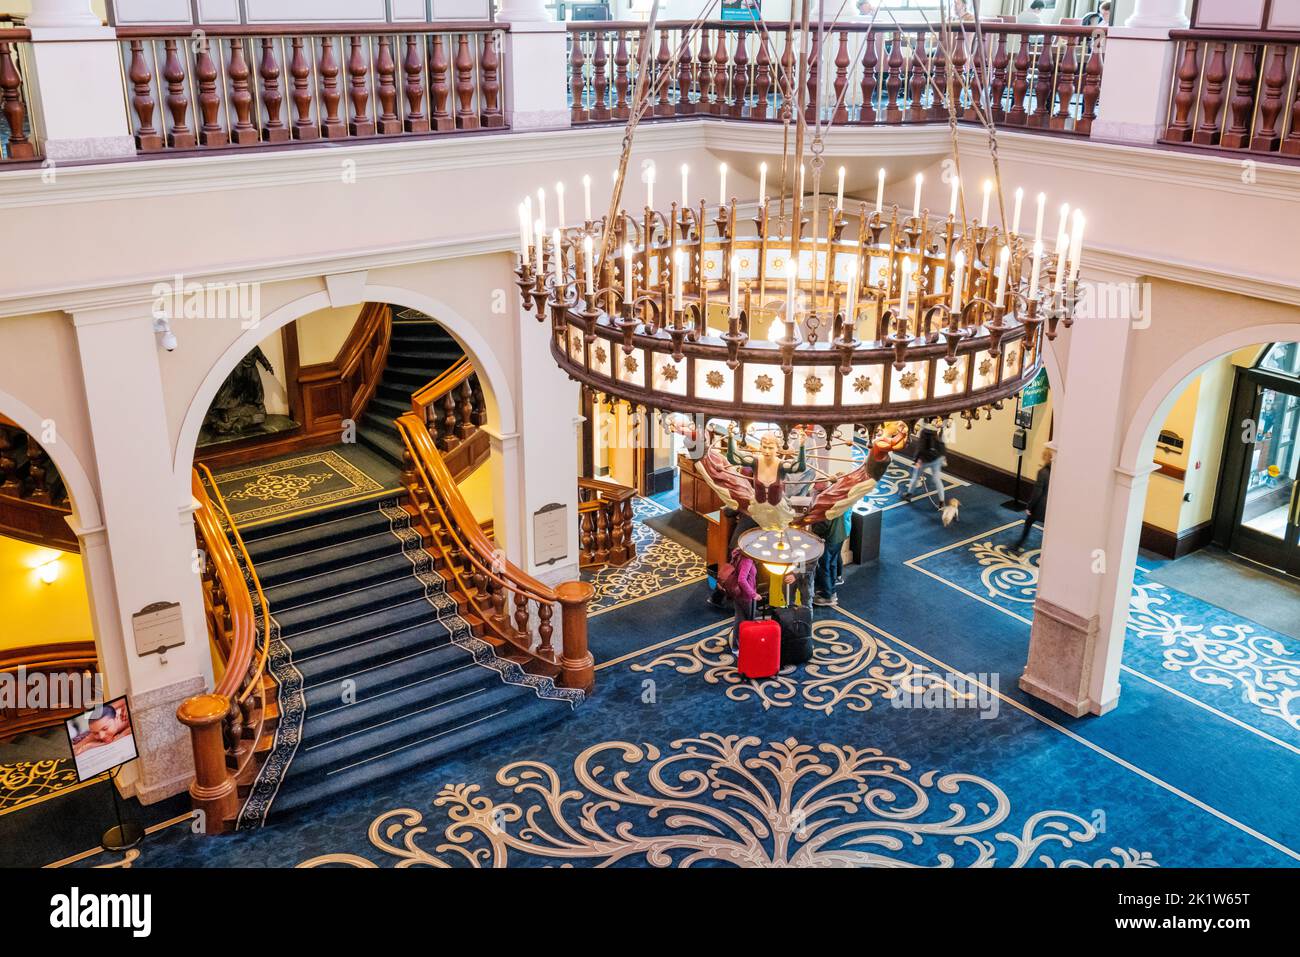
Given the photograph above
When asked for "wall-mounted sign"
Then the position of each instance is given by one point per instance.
(1036, 392)
(101, 739)
(550, 534)
(747, 10)
(158, 627)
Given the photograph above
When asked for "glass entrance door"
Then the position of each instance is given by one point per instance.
(1267, 527)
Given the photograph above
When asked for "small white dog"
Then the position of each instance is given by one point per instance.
(949, 512)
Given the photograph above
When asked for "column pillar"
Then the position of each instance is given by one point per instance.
(536, 70)
(146, 554)
(1089, 537)
(76, 81)
(1133, 106)
(1158, 13)
(506, 463)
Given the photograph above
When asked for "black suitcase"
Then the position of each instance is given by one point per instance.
(796, 634)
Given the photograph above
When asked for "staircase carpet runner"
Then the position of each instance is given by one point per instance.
(419, 351)
(378, 670)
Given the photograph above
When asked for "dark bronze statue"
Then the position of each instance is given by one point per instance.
(240, 405)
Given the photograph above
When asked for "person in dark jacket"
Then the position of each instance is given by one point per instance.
(1037, 500)
(929, 457)
(830, 567)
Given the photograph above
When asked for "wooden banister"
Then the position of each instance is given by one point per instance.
(488, 582)
(227, 723)
(604, 523)
(61, 661)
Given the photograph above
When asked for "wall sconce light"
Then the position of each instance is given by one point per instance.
(49, 572)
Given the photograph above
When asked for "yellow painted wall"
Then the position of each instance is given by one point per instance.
(476, 490)
(989, 441)
(34, 613)
(320, 336)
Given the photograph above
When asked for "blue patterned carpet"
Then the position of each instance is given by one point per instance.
(905, 742)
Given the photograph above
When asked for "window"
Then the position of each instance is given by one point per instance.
(1282, 357)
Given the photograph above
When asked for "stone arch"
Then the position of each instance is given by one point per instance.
(81, 491)
(496, 383)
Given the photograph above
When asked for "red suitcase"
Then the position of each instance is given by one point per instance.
(760, 649)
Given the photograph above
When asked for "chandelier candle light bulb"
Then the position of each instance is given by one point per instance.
(538, 232)
(1076, 245)
(586, 197)
(557, 263)
(958, 280)
(839, 194)
(956, 193)
(988, 195)
(1004, 267)
(1036, 271)
(880, 191)
(762, 185)
(1015, 216)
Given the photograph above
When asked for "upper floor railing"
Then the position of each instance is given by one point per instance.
(1235, 91)
(18, 141)
(1037, 77)
(243, 86)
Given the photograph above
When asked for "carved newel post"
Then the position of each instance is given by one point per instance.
(578, 667)
(214, 790)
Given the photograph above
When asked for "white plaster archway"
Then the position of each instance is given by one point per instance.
(81, 493)
(1136, 455)
(497, 391)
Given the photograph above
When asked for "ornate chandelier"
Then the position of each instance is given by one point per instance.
(800, 311)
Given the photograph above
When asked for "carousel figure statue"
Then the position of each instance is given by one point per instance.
(240, 404)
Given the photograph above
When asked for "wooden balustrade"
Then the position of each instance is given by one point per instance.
(62, 664)
(34, 503)
(17, 139)
(1235, 91)
(604, 523)
(506, 607)
(231, 727)
(1030, 77)
(454, 411)
(244, 86)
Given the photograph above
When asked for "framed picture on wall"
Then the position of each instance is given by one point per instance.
(746, 10)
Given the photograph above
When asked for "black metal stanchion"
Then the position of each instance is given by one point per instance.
(127, 834)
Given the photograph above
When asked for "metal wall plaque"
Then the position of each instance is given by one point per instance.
(550, 534)
(158, 627)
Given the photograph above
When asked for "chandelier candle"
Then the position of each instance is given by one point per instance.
(762, 185)
(988, 194)
(956, 192)
(1036, 269)
(839, 194)
(1004, 267)
(1015, 216)
(1076, 246)
(557, 262)
(539, 231)
(958, 280)
(650, 187)
(586, 198)
(880, 191)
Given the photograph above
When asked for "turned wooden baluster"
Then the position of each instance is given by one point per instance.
(740, 106)
(304, 127)
(275, 130)
(870, 81)
(386, 73)
(1019, 85)
(440, 85)
(466, 118)
(785, 78)
(1291, 145)
(762, 78)
(211, 132)
(1241, 107)
(894, 80)
(359, 88)
(577, 79)
(705, 72)
(998, 84)
(720, 61)
(332, 126)
(585, 538)
(622, 83)
(1043, 87)
(1189, 71)
(480, 404)
(665, 105)
(602, 534)
(545, 630)
(417, 120)
(841, 85)
(449, 436)
(1091, 88)
(813, 109)
(465, 423)
(489, 64)
(1266, 138)
(244, 133)
(1065, 85)
(521, 615)
(916, 111)
(961, 80)
(1216, 72)
(976, 80)
(147, 137)
(497, 593)
(939, 93)
(600, 79)
(179, 136)
(685, 105)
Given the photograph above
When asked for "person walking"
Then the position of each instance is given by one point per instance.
(930, 453)
(830, 566)
(1037, 508)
